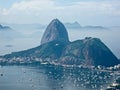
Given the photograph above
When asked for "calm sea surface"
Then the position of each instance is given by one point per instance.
(49, 77)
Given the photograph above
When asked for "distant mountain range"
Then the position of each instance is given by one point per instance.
(74, 25)
(94, 27)
(28, 26)
(56, 48)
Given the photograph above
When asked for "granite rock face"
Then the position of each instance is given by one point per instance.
(55, 31)
(51, 50)
(89, 51)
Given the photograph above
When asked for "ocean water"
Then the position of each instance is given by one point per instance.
(49, 77)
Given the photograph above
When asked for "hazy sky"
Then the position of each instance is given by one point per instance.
(86, 12)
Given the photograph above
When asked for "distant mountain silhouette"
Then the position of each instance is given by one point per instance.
(56, 47)
(5, 27)
(73, 25)
(94, 27)
(76, 25)
(8, 33)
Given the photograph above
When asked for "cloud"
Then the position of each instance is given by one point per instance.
(95, 7)
(32, 11)
(25, 10)
(33, 5)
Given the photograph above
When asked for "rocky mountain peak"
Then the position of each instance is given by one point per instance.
(55, 31)
(56, 47)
